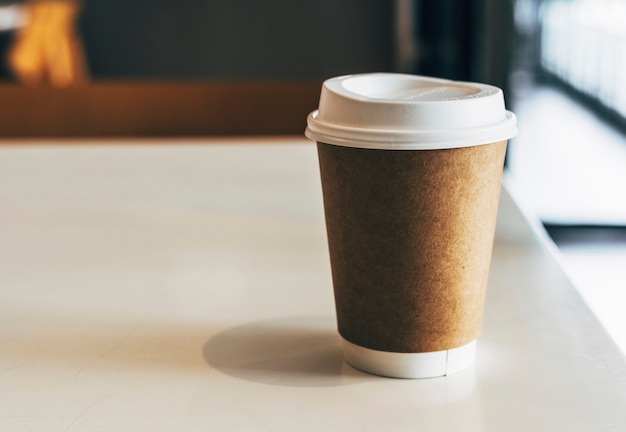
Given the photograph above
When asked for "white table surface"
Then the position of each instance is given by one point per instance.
(184, 285)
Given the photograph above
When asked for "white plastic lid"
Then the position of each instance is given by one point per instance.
(408, 112)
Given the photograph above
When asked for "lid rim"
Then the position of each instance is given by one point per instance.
(432, 139)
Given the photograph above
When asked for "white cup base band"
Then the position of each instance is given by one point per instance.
(409, 365)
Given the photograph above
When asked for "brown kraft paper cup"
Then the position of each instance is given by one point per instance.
(410, 169)
(410, 236)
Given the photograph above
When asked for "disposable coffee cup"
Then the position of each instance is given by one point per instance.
(411, 169)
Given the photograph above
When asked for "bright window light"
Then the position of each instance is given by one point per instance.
(583, 42)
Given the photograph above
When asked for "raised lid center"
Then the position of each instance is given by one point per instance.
(406, 89)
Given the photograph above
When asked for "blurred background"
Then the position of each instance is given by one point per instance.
(206, 67)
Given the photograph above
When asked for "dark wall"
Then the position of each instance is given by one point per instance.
(446, 30)
(256, 39)
(469, 40)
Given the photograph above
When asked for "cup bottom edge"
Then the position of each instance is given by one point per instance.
(409, 365)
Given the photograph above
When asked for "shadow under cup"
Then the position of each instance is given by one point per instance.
(411, 169)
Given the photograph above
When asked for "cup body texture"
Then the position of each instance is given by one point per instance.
(410, 235)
